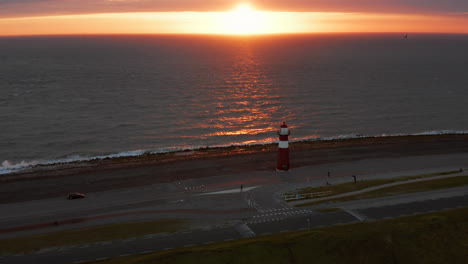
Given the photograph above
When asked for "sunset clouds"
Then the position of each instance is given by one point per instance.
(22, 8)
(33, 17)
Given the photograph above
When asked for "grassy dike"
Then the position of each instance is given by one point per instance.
(410, 187)
(89, 235)
(430, 238)
(363, 184)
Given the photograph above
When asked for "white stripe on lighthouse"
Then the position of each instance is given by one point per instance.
(283, 144)
(284, 131)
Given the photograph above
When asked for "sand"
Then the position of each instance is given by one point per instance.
(98, 175)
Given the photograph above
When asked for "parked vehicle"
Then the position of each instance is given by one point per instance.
(75, 195)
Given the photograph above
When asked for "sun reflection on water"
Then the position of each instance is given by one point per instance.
(245, 100)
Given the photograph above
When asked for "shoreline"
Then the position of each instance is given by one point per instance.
(231, 151)
(125, 172)
(174, 154)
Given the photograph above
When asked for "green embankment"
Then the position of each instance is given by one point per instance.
(351, 186)
(431, 238)
(88, 235)
(399, 189)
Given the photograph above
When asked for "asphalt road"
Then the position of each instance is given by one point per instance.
(264, 223)
(258, 211)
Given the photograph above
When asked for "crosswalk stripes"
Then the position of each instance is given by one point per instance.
(277, 214)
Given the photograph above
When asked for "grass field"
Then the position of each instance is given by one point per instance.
(431, 238)
(399, 189)
(89, 235)
(351, 186)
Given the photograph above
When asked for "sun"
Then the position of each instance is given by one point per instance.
(245, 20)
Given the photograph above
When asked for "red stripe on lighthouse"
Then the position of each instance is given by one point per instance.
(283, 148)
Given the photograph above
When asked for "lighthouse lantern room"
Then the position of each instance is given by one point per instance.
(283, 148)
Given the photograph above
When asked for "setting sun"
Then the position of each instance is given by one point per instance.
(245, 20)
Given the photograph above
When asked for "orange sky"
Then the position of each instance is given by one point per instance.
(236, 21)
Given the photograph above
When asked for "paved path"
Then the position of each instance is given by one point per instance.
(255, 211)
(282, 222)
(383, 186)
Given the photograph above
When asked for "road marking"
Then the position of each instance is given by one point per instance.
(245, 231)
(357, 215)
(145, 252)
(124, 255)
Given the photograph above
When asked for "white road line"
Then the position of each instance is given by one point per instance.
(245, 231)
(124, 255)
(145, 252)
(357, 215)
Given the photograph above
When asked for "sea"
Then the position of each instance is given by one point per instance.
(73, 98)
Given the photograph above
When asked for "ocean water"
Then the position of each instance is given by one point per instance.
(80, 97)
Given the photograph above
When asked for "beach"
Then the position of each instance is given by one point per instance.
(47, 181)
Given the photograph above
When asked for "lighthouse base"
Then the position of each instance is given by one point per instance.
(283, 160)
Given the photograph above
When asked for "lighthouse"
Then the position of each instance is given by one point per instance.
(283, 148)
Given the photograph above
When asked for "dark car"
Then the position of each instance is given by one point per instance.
(75, 195)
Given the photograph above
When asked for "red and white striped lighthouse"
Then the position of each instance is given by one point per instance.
(283, 148)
